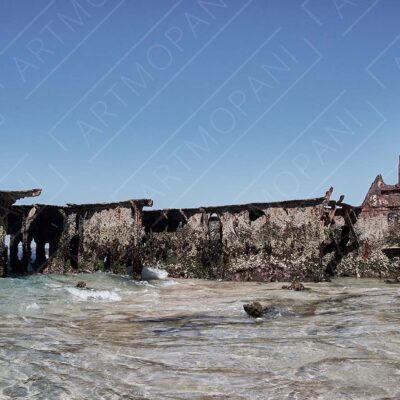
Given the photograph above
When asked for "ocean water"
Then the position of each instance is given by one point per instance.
(191, 339)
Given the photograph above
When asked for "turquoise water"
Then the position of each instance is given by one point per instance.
(191, 339)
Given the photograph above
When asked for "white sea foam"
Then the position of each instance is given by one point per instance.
(32, 306)
(169, 282)
(91, 294)
(54, 285)
(144, 283)
(150, 273)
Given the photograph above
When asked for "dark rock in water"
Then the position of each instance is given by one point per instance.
(392, 281)
(81, 285)
(16, 392)
(297, 286)
(255, 309)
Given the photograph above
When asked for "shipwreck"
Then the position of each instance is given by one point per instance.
(307, 239)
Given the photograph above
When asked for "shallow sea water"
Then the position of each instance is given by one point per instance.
(191, 339)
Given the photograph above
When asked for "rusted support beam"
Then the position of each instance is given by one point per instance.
(10, 197)
(351, 226)
(328, 195)
(100, 206)
(398, 170)
(183, 214)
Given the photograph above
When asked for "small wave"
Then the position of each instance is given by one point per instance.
(32, 306)
(143, 283)
(276, 312)
(54, 285)
(169, 282)
(91, 294)
(149, 274)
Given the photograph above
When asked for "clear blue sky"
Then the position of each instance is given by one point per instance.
(198, 102)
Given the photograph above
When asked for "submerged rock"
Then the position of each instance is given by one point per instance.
(297, 286)
(255, 309)
(81, 285)
(392, 281)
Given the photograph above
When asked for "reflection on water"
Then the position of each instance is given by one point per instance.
(192, 340)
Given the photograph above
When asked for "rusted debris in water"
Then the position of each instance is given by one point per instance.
(81, 285)
(296, 286)
(254, 309)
